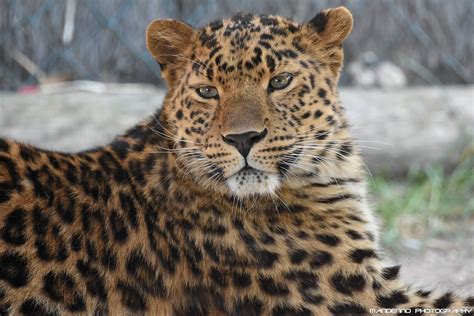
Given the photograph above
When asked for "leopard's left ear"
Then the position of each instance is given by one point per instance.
(325, 34)
(330, 27)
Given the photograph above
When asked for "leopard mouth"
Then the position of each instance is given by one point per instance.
(250, 181)
(248, 170)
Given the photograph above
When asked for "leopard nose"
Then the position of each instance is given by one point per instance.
(244, 142)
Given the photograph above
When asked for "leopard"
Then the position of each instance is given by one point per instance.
(243, 194)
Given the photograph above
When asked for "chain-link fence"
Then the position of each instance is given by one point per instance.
(428, 41)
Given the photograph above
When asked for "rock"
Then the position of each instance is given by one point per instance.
(390, 76)
(362, 76)
(367, 70)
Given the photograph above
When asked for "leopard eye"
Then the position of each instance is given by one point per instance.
(207, 92)
(280, 82)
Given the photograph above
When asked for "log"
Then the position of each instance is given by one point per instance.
(416, 127)
(404, 128)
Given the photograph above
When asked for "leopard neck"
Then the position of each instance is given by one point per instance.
(151, 163)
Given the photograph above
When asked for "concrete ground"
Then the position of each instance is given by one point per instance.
(76, 120)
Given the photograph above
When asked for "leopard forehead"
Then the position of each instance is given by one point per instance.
(238, 44)
(243, 28)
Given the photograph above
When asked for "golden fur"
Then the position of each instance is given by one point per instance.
(172, 219)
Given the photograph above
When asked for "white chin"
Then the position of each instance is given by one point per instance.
(253, 182)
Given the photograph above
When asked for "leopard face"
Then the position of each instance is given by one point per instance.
(252, 102)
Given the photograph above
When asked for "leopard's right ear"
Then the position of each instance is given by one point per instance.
(169, 42)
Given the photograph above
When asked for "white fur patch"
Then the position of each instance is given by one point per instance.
(253, 182)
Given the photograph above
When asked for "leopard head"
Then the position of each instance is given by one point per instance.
(252, 102)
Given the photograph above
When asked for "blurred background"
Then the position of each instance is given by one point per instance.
(414, 42)
(74, 73)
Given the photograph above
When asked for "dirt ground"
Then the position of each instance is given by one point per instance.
(75, 121)
(444, 262)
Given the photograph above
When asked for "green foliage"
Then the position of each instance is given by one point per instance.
(427, 202)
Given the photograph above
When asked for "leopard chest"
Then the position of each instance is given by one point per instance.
(280, 258)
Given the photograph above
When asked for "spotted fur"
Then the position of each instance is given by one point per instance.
(170, 219)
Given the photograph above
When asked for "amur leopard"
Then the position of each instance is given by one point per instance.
(243, 195)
